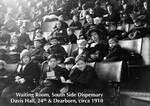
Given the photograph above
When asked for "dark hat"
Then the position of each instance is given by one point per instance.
(98, 31)
(52, 56)
(53, 38)
(80, 57)
(69, 60)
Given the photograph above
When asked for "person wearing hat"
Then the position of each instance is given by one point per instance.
(25, 78)
(82, 76)
(37, 51)
(4, 37)
(97, 47)
(56, 49)
(39, 35)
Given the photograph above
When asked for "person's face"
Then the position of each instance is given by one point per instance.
(14, 40)
(75, 19)
(112, 43)
(82, 45)
(52, 62)
(22, 30)
(26, 59)
(58, 25)
(81, 65)
(89, 19)
(69, 32)
(37, 44)
(95, 36)
(35, 24)
(68, 66)
(54, 42)
(38, 34)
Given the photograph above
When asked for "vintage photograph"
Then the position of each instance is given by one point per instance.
(74, 52)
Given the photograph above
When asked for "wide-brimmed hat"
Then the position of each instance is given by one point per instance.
(98, 31)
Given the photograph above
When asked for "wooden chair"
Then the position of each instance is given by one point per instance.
(67, 49)
(132, 45)
(146, 51)
(48, 26)
(110, 73)
(135, 49)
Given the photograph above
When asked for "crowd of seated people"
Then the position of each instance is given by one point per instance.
(97, 42)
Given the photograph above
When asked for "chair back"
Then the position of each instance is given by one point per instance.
(132, 45)
(110, 71)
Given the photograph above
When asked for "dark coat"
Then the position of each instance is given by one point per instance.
(31, 74)
(82, 80)
(76, 25)
(116, 54)
(37, 54)
(72, 38)
(100, 50)
(4, 38)
(61, 34)
(24, 39)
(57, 50)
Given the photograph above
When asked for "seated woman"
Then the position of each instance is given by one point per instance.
(98, 47)
(82, 76)
(14, 45)
(25, 78)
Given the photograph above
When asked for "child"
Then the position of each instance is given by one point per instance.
(25, 77)
(37, 51)
(72, 38)
(116, 52)
(82, 76)
(75, 24)
(24, 37)
(4, 37)
(50, 78)
(14, 45)
(39, 35)
(61, 33)
(56, 49)
(81, 50)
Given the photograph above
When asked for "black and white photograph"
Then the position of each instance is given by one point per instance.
(74, 52)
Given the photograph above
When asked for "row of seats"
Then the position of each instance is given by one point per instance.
(139, 46)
